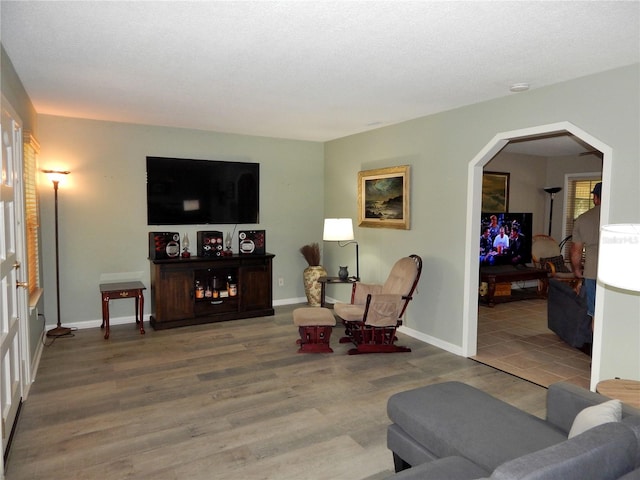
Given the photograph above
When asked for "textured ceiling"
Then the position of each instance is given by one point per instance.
(304, 70)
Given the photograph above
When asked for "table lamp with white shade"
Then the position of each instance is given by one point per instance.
(341, 230)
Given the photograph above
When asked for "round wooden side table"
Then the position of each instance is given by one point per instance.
(627, 391)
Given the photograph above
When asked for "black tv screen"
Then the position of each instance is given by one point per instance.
(198, 192)
(513, 245)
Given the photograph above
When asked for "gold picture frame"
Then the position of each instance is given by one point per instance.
(495, 192)
(383, 197)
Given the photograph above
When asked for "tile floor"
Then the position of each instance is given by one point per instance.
(514, 337)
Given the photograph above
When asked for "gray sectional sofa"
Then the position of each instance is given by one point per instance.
(452, 431)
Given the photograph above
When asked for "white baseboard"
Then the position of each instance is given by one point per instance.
(131, 318)
(436, 342)
(289, 301)
(34, 366)
(95, 323)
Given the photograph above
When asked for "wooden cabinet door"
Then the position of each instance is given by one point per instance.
(255, 287)
(174, 295)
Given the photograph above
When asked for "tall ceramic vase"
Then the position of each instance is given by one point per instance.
(312, 287)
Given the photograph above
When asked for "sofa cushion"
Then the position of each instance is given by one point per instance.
(448, 468)
(454, 419)
(590, 417)
(565, 400)
(605, 452)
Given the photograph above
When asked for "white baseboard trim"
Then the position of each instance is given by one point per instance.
(436, 342)
(37, 356)
(96, 323)
(131, 318)
(289, 301)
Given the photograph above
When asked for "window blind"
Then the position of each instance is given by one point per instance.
(578, 202)
(30, 153)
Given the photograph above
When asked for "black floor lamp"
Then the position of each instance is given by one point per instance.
(55, 176)
(552, 192)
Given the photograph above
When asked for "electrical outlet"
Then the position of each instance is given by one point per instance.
(281, 282)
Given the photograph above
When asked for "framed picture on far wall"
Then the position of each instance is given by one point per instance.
(383, 197)
(495, 192)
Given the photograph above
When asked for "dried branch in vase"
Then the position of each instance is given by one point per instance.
(311, 254)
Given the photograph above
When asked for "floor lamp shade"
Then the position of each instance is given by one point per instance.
(619, 256)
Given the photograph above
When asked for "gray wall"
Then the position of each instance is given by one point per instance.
(102, 205)
(525, 182)
(439, 149)
(16, 95)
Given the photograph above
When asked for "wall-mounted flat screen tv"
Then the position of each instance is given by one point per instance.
(505, 238)
(199, 192)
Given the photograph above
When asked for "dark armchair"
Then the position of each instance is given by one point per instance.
(567, 315)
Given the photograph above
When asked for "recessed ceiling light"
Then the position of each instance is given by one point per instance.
(519, 87)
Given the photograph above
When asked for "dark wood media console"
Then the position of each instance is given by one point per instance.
(506, 274)
(174, 302)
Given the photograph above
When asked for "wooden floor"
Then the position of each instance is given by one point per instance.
(230, 400)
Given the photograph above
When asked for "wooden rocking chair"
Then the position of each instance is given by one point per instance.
(546, 254)
(376, 311)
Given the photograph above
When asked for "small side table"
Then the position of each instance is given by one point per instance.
(627, 391)
(323, 284)
(115, 291)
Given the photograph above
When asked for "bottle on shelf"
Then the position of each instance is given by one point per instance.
(232, 286)
(208, 293)
(199, 290)
(216, 288)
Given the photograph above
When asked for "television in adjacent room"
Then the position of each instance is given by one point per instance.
(513, 243)
(200, 192)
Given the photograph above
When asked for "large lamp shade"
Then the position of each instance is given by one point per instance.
(619, 256)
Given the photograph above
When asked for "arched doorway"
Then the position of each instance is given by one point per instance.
(474, 188)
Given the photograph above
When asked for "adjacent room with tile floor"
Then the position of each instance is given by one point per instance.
(514, 337)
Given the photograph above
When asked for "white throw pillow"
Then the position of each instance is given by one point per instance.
(590, 417)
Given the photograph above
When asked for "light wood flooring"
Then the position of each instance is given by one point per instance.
(231, 400)
(514, 337)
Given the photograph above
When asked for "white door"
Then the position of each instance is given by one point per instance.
(13, 300)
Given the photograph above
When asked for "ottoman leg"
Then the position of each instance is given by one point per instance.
(315, 339)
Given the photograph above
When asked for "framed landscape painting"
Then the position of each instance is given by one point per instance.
(383, 197)
(495, 192)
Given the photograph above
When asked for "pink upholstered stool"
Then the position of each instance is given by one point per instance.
(315, 325)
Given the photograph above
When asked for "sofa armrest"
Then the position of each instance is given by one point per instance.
(567, 314)
(451, 468)
(605, 452)
(565, 401)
